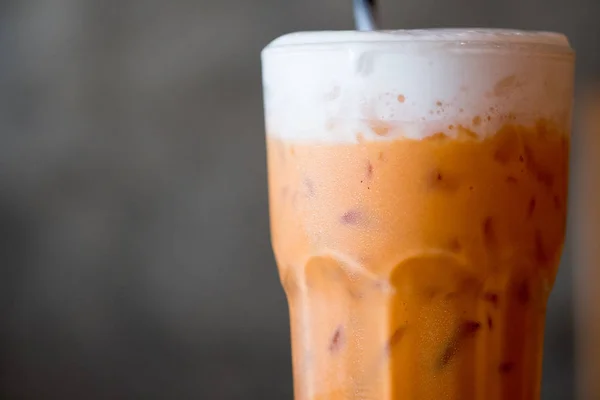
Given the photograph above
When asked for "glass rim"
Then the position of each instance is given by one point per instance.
(415, 40)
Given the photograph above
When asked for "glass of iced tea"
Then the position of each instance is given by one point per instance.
(418, 188)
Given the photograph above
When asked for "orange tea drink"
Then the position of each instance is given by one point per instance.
(418, 188)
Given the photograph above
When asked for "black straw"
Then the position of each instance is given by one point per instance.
(364, 15)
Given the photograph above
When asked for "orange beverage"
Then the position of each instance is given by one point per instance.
(418, 188)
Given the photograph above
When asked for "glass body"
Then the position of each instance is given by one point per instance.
(418, 200)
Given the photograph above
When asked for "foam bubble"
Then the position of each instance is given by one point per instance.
(337, 86)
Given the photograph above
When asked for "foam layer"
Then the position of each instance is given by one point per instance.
(337, 86)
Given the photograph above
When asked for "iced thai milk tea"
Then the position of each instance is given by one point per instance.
(418, 188)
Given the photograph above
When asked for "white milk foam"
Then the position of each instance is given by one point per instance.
(338, 86)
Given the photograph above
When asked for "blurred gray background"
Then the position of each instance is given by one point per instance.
(134, 239)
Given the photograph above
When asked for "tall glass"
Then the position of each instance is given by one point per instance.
(418, 188)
